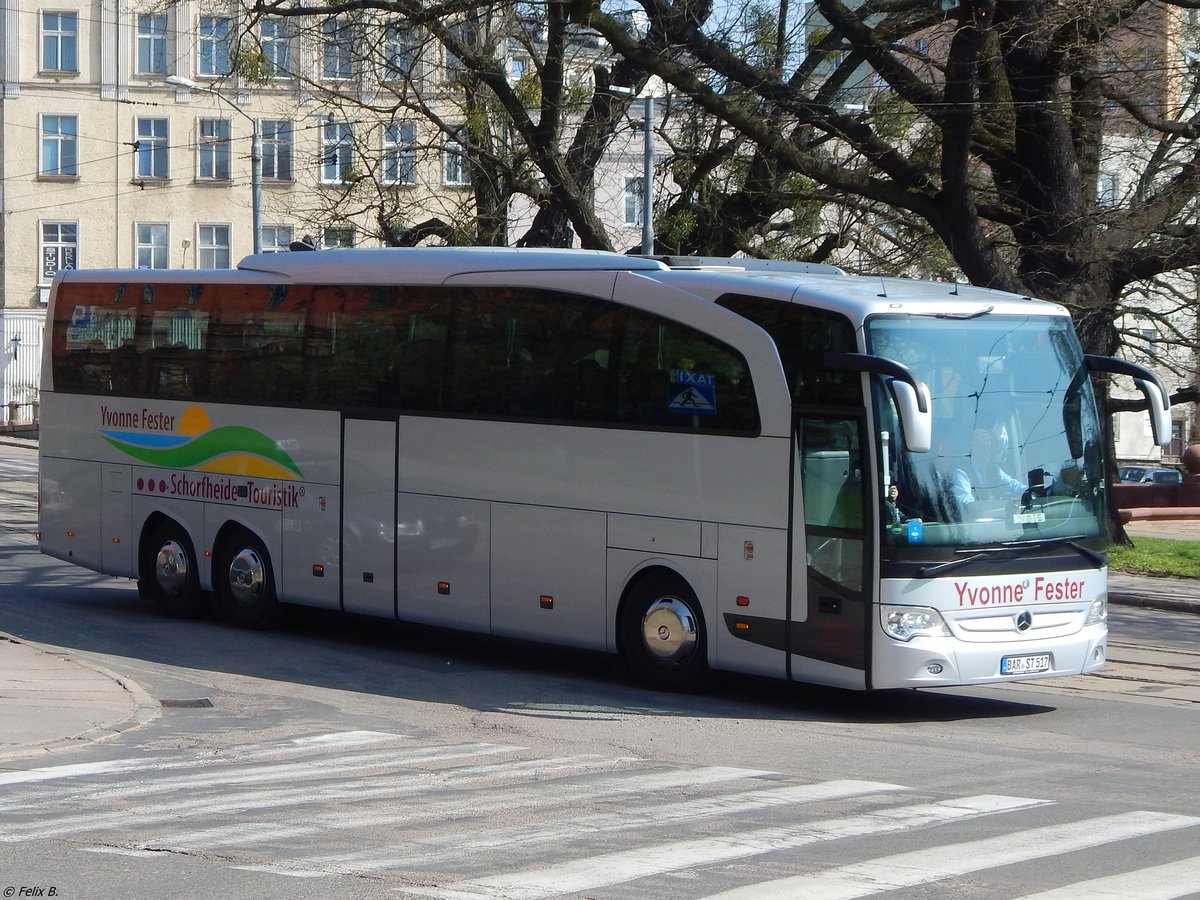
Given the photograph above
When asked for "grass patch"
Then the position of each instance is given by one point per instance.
(1157, 556)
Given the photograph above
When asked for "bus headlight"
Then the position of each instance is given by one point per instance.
(1098, 614)
(907, 622)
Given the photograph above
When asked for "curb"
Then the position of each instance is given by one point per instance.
(145, 708)
(1164, 603)
(1159, 514)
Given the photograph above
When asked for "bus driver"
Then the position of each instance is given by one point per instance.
(982, 479)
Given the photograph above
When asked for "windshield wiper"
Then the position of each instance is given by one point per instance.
(1095, 558)
(1013, 550)
(965, 315)
(989, 553)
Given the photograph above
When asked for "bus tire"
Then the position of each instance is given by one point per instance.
(167, 572)
(663, 638)
(245, 581)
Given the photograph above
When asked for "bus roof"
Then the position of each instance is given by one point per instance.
(809, 282)
(433, 265)
(857, 296)
(711, 277)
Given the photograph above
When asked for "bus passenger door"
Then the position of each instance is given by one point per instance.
(369, 516)
(831, 569)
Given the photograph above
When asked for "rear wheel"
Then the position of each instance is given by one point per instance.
(245, 582)
(663, 636)
(167, 572)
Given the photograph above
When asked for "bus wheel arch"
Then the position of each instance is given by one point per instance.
(244, 578)
(169, 570)
(661, 632)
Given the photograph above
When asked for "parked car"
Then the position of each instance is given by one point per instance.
(1151, 474)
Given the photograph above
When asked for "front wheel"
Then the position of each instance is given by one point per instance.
(167, 572)
(663, 637)
(245, 582)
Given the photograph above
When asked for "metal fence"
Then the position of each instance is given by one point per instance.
(21, 335)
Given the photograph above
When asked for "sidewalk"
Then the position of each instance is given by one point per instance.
(19, 439)
(1153, 592)
(49, 701)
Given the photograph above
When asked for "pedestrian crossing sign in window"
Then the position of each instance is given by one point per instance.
(692, 392)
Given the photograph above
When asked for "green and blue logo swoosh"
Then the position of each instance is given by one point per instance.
(229, 450)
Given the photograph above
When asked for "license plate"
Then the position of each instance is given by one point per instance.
(1024, 665)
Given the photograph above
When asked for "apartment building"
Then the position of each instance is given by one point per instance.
(127, 140)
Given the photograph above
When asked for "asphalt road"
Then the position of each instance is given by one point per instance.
(339, 756)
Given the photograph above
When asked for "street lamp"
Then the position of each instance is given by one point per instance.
(255, 151)
(648, 177)
(647, 166)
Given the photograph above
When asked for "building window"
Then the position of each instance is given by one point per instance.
(152, 245)
(334, 236)
(633, 200)
(60, 248)
(399, 153)
(275, 38)
(213, 250)
(276, 136)
(401, 46)
(1106, 189)
(336, 146)
(455, 172)
(276, 238)
(151, 149)
(337, 49)
(152, 44)
(452, 66)
(518, 68)
(213, 150)
(215, 34)
(60, 146)
(60, 42)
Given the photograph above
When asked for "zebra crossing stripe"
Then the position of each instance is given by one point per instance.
(1166, 882)
(503, 784)
(79, 770)
(169, 778)
(903, 870)
(347, 739)
(510, 796)
(424, 851)
(158, 764)
(624, 866)
(280, 797)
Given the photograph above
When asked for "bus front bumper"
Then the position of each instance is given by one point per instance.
(932, 662)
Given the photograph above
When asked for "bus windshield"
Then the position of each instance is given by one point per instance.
(1016, 449)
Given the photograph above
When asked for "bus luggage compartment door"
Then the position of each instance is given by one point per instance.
(369, 517)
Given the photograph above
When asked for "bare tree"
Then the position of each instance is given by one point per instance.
(537, 135)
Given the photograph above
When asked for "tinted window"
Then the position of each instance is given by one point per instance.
(507, 353)
(803, 335)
